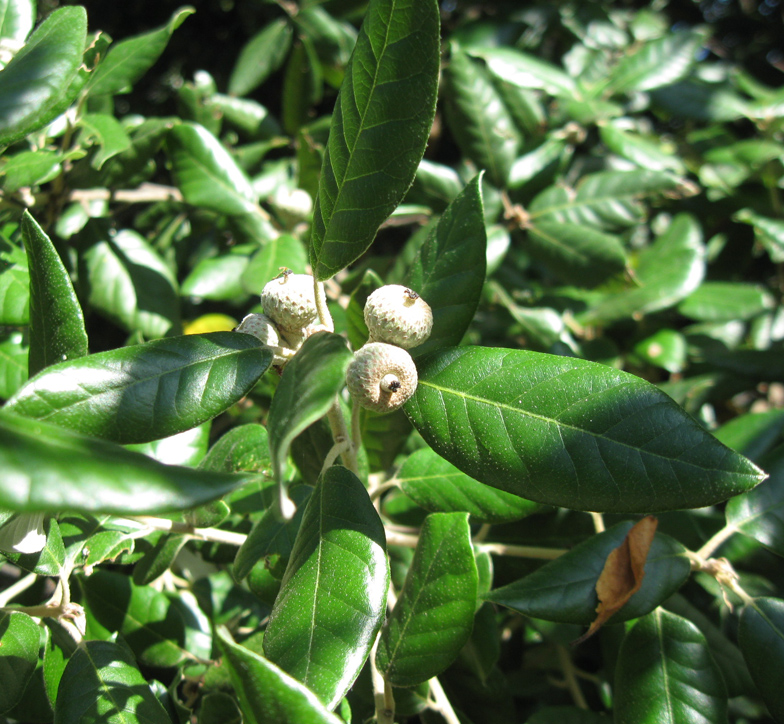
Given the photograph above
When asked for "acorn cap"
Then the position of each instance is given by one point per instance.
(398, 315)
(381, 377)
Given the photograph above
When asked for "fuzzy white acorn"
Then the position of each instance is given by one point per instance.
(398, 315)
(381, 377)
(290, 302)
(262, 327)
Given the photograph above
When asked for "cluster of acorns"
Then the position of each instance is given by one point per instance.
(382, 375)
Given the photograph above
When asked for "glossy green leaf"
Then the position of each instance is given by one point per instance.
(333, 596)
(639, 150)
(479, 120)
(130, 59)
(769, 232)
(753, 433)
(148, 391)
(17, 18)
(564, 590)
(57, 330)
(666, 272)
(604, 200)
(286, 251)
(219, 708)
(379, 129)
(38, 78)
(153, 628)
(570, 433)
(448, 271)
(726, 301)
(102, 685)
(438, 486)
(13, 363)
(206, 173)
(667, 349)
(261, 55)
(158, 560)
(60, 646)
(19, 644)
(267, 694)
(242, 448)
(724, 652)
(383, 436)
(14, 285)
(184, 448)
(270, 536)
(760, 512)
(666, 675)
(130, 283)
(218, 277)
(761, 639)
(49, 560)
(658, 63)
(47, 468)
(575, 253)
(434, 614)
(30, 168)
(307, 389)
(302, 85)
(526, 71)
(107, 133)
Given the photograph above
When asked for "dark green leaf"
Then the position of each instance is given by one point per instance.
(564, 590)
(570, 433)
(449, 269)
(438, 486)
(381, 123)
(47, 468)
(57, 330)
(761, 639)
(219, 708)
(206, 173)
(270, 536)
(129, 60)
(333, 596)
(307, 389)
(219, 277)
(726, 301)
(666, 675)
(267, 694)
(148, 391)
(434, 614)
(153, 628)
(302, 85)
(604, 200)
(60, 646)
(19, 644)
(658, 63)
(261, 55)
(14, 285)
(102, 685)
(242, 448)
(669, 270)
(566, 715)
(355, 312)
(383, 436)
(639, 150)
(39, 78)
(479, 120)
(158, 560)
(130, 283)
(760, 512)
(576, 253)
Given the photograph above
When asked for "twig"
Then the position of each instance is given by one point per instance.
(441, 702)
(715, 541)
(215, 535)
(571, 680)
(16, 588)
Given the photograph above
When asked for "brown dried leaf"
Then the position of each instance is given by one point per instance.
(622, 574)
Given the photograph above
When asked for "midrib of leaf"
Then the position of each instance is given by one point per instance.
(767, 620)
(578, 203)
(550, 420)
(557, 243)
(41, 395)
(11, 360)
(106, 689)
(360, 131)
(219, 180)
(665, 673)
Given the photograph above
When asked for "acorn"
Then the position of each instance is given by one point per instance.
(398, 315)
(262, 327)
(290, 302)
(381, 377)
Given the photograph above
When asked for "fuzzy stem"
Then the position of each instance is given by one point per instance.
(715, 541)
(410, 541)
(16, 588)
(598, 522)
(325, 317)
(382, 691)
(571, 680)
(441, 703)
(215, 535)
(340, 433)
